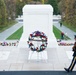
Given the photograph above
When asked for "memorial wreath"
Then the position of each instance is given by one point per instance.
(37, 41)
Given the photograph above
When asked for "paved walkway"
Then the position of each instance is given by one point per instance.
(5, 34)
(14, 59)
(66, 30)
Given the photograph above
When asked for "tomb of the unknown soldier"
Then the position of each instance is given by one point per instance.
(37, 51)
(38, 18)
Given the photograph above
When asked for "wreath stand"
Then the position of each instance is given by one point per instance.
(38, 56)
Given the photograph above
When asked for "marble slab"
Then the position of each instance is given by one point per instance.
(4, 55)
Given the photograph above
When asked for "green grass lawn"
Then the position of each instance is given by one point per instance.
(57, 33)
(18, 34)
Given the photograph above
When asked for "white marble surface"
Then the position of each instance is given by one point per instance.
(33, 55)
(69, 54)
(4, 55)
(38, 18)
(18, 59)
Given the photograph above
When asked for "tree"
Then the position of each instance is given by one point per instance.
(55, 5)
(58, 1)
(19, 6)
(3, 14)
(42, 1)
(68, 12)
(11, 9)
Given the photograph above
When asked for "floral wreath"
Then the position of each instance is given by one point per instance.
(37, 36)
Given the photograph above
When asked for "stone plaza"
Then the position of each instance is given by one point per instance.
(14, 59)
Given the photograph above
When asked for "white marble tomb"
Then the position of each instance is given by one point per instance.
(38, 18)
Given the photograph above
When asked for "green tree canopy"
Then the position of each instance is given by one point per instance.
(3, 14)
(69, 12)
(19, 6)
(11, 9)
(54, 3)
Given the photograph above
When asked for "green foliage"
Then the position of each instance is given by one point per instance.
(19, 6)
(9, 24)
(54, 3)
(58, 1)
(68, 10)
(42, 1)
(3, 14)
(10, 8)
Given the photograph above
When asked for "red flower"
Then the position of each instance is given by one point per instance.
(30, 34)
(42, 44)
